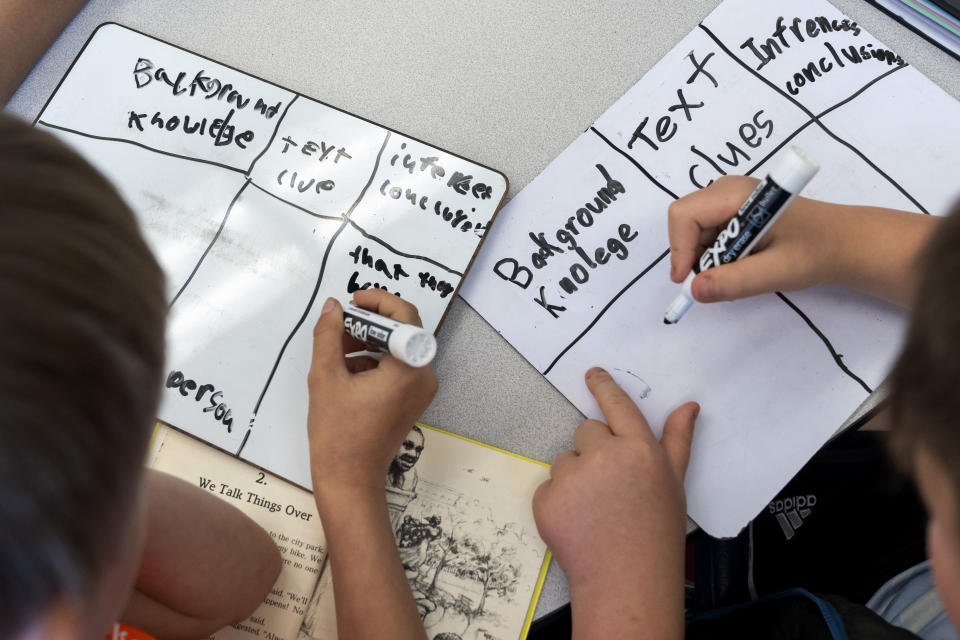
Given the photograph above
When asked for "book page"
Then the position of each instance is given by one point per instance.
(575, 273)
(286, 512)
(463, 522)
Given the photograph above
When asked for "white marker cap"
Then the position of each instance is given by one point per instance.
(412, 345)
(793, 170)
(406, 342)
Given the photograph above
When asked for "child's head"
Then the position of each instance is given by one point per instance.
(82, 308)
(925, 403)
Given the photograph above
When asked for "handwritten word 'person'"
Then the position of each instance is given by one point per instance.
(186, 387)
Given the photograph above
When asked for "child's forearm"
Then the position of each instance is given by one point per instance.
(356, 422)
(372, 595)
(27, 29)
(642, 607)
(870, 249)
(876, 250)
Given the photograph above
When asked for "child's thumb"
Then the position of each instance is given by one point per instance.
(764, 272)
(328, 340)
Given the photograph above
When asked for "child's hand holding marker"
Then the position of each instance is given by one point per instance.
(869, 249)
(360, 409)
(791, 256)
(411, 344)
(743, 232)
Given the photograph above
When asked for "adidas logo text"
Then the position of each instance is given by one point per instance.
(791, 512)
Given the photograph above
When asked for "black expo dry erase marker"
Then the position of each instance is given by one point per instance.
(791, 173)
(408, 343)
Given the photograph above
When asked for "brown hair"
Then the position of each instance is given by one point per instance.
(925, 382)
(82, 308)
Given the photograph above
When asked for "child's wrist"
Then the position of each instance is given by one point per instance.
(832, 254)
(334, 497)
(619, 607)
(601, 577)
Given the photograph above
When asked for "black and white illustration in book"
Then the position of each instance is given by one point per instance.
(260, 203)
(467, 539)
(576, 272)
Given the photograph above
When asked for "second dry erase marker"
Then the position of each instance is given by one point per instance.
(786, 179)
(413, 345)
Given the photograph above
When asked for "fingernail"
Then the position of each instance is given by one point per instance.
(595, 371)
(703, 289)
(328, 305)
(696, 412)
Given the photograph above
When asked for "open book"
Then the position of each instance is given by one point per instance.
(462, 519)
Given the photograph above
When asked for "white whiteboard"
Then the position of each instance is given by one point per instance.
(260, 203)
(776, 376)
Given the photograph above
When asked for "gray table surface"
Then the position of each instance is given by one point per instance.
(508, 84)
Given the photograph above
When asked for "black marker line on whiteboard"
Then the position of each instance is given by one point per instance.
(837, 357)
(273, 135)
(141, 145)
(383, 243)
(769, 200)
(245, 437)
(408, 343)
(286, 343)
(316, 288)
(337, 218)
(213, 241)
(634, 162)
(606, 308)
(859, 91)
